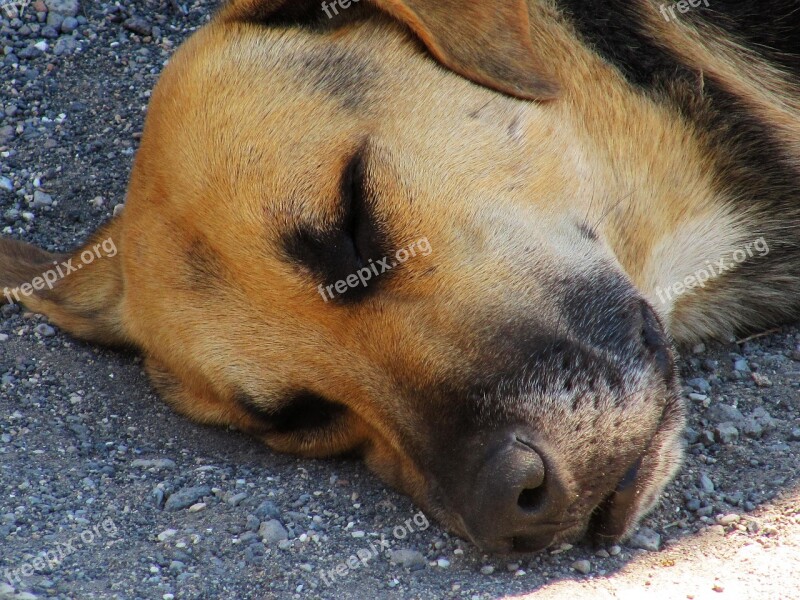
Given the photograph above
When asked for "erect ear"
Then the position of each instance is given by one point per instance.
(487, 42)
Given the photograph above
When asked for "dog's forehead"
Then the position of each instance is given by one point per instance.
(370, 68)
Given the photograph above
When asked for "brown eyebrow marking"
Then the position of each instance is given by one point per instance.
(203, 269)
(345, 76)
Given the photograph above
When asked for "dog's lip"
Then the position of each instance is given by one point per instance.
(545, 535)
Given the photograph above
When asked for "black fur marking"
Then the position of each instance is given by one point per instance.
(753, 168)
(770, 27)
(301, 13)
(613, 28)
(303, 411)
(356, 241)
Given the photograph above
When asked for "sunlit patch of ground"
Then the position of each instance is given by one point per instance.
(707, 566)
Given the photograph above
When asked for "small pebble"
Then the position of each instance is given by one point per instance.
(646, 539)
(716, 530)
(236, 499)
(761, 380)
(273, 531)
(409, 559)
(726, 433)
(706, 484)
(741, 365)
(44, 330)
(167, 534)
(582, 566)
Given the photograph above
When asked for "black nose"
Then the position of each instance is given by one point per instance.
(517, 500)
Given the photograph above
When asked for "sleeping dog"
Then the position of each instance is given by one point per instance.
(457, 238)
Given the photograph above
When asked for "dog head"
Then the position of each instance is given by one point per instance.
(373, 233)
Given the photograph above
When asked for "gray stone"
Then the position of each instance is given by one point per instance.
(6, 184)
(724, 413)
(176, 567)
(30, 52)
(706, 484)
(752, 428)
(409, 559)
(741, 366)
(273, 531)
(267, 510)
(65, 45)
(582, 566)
(692, 436)
(764, 418)
(726, 433)
(707, 437)
(138, 25)
(44, 330)
(41, 199)
(700, 384)
(236, 499)
(646, 539)
(68, 8)
(6, 134)
(69, 25)
(155, 463)
(252, 523)
(186, 497)
(794, 436)
(706, 511)
(55, 20)
(49, 32)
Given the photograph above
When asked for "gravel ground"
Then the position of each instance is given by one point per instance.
(110, 495)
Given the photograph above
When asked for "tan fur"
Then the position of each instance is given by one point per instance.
(244, 140)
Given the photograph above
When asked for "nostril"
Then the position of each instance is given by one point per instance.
(531, 479)
(532, 499)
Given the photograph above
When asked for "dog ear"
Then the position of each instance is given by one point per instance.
(486, 42)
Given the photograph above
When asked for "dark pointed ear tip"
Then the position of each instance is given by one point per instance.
(542, 90)
(536, 88)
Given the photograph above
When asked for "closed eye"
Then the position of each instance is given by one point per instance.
(352, 196)
(339, 250)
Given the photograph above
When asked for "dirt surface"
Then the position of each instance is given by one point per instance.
(107, 494)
